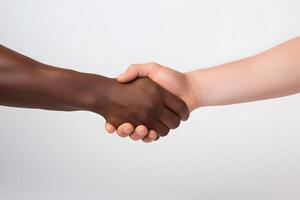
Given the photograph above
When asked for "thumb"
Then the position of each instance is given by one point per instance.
(130, 74)
(139, 70)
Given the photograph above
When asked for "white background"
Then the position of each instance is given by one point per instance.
(246, 151)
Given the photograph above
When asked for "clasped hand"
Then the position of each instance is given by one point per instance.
(149, 108)
(143, 104)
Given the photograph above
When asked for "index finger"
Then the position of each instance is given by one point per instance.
(177, 105)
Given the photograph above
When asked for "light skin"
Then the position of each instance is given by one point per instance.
(27, 83)
(270, 74)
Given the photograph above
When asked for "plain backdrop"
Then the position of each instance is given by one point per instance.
(240, 152)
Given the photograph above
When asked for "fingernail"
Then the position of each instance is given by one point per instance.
(140, 132)
(127, 130)
(152, 135)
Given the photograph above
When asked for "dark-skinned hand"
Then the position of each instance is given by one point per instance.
(141, 102)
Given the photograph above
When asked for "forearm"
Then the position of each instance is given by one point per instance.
(273, 73)
(28, 83)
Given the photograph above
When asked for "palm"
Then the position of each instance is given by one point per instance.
(175, 82)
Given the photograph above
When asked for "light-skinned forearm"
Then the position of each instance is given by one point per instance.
(273, 73)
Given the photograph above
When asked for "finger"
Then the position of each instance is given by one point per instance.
(139, 70)
(139, 133)
(169, 118)
(153, 135)
(176, 105)
(150, 137)
(125, 129)
(161, 129)
(109, 128)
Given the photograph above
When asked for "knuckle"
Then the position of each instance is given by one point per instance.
(143, 115)
(131, 67)
(153, 63)
(164, 132)
(187, 116)
(153, 90)
(183, 111)
(150, 106)
(175, 123)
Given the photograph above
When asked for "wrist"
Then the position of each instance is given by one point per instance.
(92, 92)
(194, 88)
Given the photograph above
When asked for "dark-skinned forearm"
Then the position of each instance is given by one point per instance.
(25, 82)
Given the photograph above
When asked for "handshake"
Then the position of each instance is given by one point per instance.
(144, 103)
(154, 100)
(148, 100)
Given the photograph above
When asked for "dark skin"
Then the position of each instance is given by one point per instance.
(27, 83)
